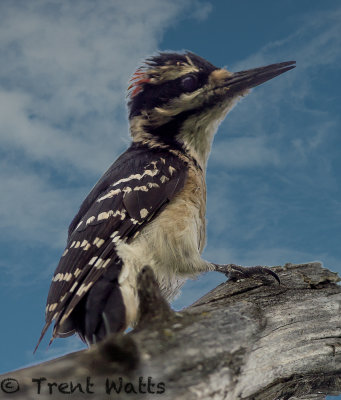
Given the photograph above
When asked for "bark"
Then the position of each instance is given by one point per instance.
(250, 339)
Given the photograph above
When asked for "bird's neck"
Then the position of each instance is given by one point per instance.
(155, 142)
(190, 137)
(197, 140)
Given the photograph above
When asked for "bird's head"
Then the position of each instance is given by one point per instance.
(180, 98)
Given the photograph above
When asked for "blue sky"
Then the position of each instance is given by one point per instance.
(274, 192)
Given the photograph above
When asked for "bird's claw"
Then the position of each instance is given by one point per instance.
(235, 272)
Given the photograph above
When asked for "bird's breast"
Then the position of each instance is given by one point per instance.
(172, 242)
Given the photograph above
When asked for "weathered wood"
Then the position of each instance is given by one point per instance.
(251, 339)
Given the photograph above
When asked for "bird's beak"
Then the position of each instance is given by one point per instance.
(239, 81)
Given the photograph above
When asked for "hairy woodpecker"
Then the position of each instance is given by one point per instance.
(149, 207)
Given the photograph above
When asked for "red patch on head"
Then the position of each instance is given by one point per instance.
(136, 82)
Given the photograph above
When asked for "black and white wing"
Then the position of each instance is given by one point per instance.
(133, 190)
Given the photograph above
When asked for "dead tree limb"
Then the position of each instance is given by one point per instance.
(249, 339)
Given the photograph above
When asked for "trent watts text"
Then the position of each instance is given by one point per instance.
(144, 385)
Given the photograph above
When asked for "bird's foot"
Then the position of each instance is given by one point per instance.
(235, 272)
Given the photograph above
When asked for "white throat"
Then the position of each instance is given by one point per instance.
(198, 131)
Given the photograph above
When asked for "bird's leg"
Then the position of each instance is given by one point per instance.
(235, 272)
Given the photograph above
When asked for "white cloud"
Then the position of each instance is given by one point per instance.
(66, 73)
(32, 207)
(202, 11)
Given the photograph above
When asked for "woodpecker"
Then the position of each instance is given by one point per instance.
(149, 207)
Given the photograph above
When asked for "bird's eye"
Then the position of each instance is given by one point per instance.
(189, 83)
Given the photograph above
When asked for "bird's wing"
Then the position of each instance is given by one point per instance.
(129, 195)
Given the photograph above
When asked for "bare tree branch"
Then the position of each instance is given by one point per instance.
(251, 339)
